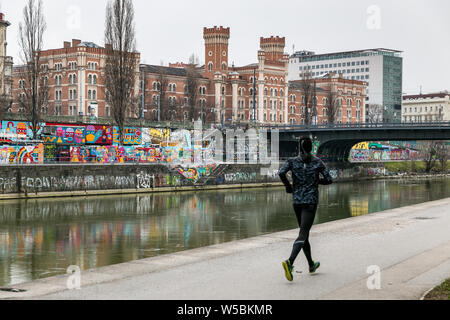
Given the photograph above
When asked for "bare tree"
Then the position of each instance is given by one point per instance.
(163, 101)
(307, 87)
(332, 104)
(429, 152)
(192, 90)
(5, 105)
(121, 60)
(374, 113)
(33, 96)
(442, 154)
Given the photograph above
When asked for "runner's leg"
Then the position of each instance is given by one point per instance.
(305, 216)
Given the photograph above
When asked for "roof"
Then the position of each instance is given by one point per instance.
(181, 72)
(309, 54)
(164, 70)
(298, 85)
(89, 45)
(428, 95)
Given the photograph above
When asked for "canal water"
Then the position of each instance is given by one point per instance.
(41, 238)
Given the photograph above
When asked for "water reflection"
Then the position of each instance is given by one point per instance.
(40, 238)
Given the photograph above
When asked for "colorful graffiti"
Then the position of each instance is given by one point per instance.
(131, 136)
(17, 130)
(195, 173)
(373, 152)
(22, 154)
(66, 135)
(100, 135)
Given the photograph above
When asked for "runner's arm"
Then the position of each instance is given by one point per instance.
(282, 173)
(327, 179)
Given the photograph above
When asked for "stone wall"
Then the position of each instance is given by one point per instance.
(26, 179)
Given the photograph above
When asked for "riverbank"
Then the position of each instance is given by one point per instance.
(409, 245)
(160, 182)
(441, 292)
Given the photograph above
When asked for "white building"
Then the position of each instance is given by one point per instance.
(382, 69)
(433, 107)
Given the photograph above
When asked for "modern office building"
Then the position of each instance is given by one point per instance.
(380, 68)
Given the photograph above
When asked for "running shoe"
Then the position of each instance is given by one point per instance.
(314, 267)
(288, 268)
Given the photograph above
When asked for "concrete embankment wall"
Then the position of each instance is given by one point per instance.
(24, 181)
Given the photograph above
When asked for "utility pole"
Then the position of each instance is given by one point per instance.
(253, 116)
(143, 96)
(223, 104)
(159, 106)
(314, 112)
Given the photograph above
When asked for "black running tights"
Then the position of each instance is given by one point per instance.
(305, 216)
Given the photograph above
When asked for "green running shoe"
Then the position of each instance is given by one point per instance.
(314, 267)
(288, 268)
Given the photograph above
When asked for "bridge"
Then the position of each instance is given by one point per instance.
(337, 140)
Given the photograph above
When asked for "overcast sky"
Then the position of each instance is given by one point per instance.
(171, 31)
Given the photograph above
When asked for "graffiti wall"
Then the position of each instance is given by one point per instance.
(17, 130)
(64, 134)
(99, 135)
(375, 152)
(193, 174)
(22, 154)
(131, 136)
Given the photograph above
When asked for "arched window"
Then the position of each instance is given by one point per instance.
(94, 95)
(224, 66)
(251, 91)
(210, 66)
(349, 102)
(90, 79)
(89, 95)
(265, 91)
(95, 79)
(281, 93)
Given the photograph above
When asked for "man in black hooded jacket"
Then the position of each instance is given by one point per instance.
(306, 171)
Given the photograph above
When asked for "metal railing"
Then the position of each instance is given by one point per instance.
(442, 124)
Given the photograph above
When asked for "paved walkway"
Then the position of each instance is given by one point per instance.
(411, 245)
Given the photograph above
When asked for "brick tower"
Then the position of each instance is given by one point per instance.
(274, 47)
(216, 50)
(6, 62)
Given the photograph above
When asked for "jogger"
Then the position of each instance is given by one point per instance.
(306, 171)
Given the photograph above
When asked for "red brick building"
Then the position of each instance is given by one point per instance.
(223, 93)
(75, 79)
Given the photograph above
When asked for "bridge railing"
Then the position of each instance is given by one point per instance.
(405, 125)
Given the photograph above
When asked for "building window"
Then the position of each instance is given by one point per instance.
(210, 66)
(89, 94)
